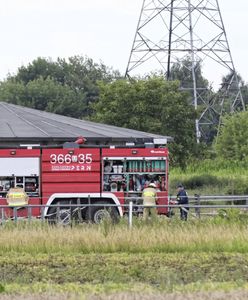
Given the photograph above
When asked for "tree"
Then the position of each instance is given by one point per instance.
(79, 74)
(182, 71)
(43, 94)
(151, 105)
(232, 83)
(232, 142)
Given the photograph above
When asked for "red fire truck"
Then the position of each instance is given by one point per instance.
(79, 174)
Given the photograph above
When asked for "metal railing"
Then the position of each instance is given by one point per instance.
(196, 204)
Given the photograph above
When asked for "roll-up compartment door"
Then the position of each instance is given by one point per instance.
(19, 166)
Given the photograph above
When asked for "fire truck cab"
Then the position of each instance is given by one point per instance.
(80, 175)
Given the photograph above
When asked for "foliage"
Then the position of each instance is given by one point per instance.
(244, 91)
(152, 105)
(212, 177)
(232, 143)
(232, 214)
(229, 81)
(42, 83)
(182, 71)
(43, 94)
(214, 166)
(197, 181)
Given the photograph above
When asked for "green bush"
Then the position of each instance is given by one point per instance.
(2, 289)
(196, 181)
(212, 177)
(231, 216)
(237, 186)
(201, 180)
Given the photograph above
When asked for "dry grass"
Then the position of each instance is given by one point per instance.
(234, 295)
(163, 236)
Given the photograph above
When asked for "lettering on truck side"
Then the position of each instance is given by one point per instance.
(68, 162)
(68, 158)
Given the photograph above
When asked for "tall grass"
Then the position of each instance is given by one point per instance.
(162, 256)
(162, 236)
(212, 177)
(215, 167)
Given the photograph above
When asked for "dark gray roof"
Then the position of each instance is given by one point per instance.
(22, 123)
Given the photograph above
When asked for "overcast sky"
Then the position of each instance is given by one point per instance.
(101, 29)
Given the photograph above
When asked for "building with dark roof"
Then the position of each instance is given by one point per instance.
(22, 125)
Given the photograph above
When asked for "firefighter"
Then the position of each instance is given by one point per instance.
(149, 196)
(182, 198)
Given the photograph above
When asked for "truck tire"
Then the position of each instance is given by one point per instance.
(98, 213)
(62, 215)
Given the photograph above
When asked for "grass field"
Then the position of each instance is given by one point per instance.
(161, 260)
(212, 177)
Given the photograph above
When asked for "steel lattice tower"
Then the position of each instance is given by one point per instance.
(171, 32)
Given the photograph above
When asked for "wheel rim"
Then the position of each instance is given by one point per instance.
(100, 215)
(64, 217)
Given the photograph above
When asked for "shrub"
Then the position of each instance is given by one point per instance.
(196, 181)
(237, 186)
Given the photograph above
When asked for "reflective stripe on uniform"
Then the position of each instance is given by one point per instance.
(149, 194)
(149, 197)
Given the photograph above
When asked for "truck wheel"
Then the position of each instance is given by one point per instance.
(97, 214)
(61, 215)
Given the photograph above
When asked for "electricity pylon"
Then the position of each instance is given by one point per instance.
(171, 32)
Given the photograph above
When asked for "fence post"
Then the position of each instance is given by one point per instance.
(57, 212)
(170, 211)
(197, 209)
(3, 216)
(29, 214)
(71, 213)
(89, 202)
(79, 210)
(130, 214)
(42, 214)
(15, 214)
